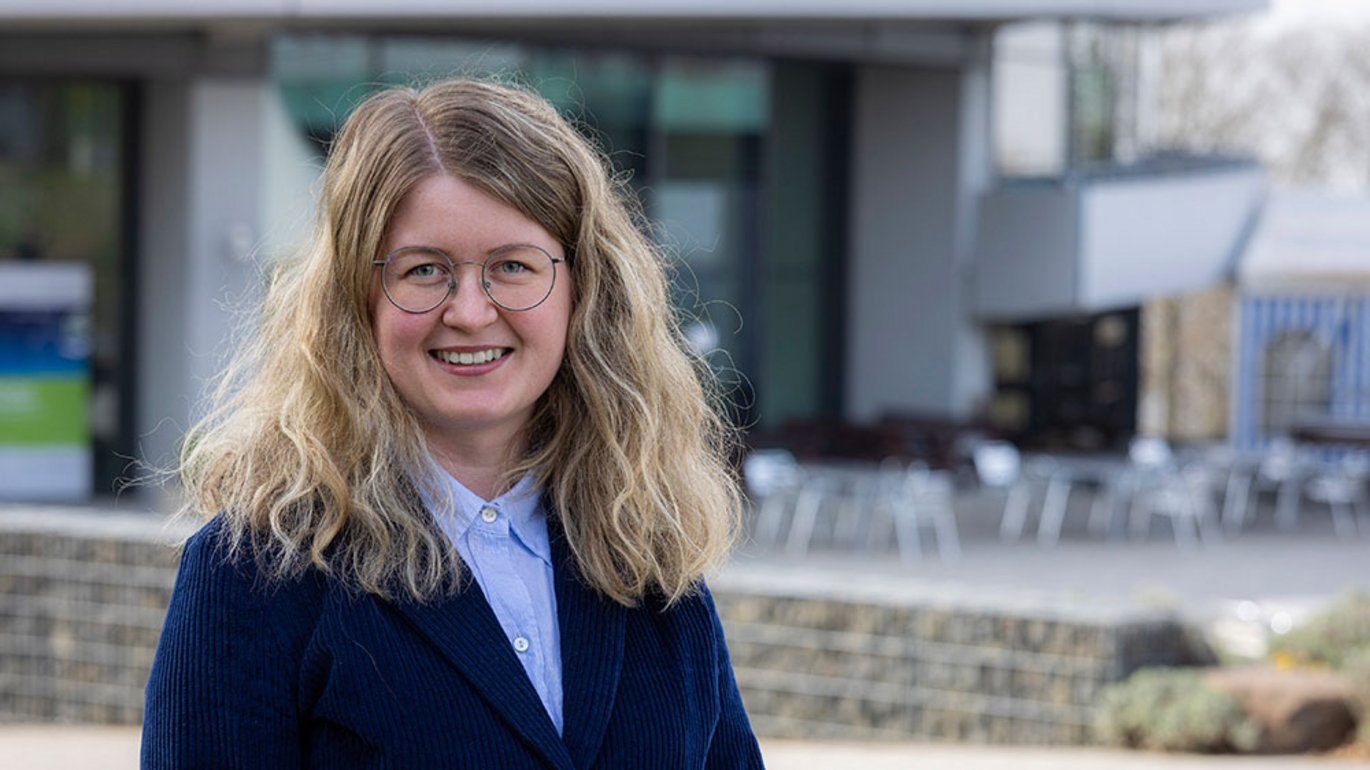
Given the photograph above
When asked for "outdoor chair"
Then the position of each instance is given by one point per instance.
(1115, 485)
(1341, 487)
(836, 499)
(1231, 474)
(1234, 472)
(1151, 469)
(851, 506)
(999, 465)
(1281, 471)
(1185, 498)
(914, 499)
(868, 494)
(817, 492)
(774, 481)
(1111, 484)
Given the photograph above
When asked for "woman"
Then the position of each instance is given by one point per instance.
(465, 482)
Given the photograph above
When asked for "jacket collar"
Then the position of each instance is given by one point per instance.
(464, 628)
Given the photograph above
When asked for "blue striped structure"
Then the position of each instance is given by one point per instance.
(1340, 323)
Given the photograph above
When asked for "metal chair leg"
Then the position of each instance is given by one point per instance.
(1053, 512)
(1103, 513)
(1287, 504)
(906, 535)
(1015, 511)
(856, 508)
(1343, 520)
(1186, 529)
(1235, 502)
(766, 532)
(948, 538)
(805, 516)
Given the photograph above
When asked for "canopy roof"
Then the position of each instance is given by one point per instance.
(172, 11)
(1309, 236)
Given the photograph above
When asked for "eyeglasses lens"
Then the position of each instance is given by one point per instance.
(515, 278)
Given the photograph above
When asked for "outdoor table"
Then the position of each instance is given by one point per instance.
(1347, 433)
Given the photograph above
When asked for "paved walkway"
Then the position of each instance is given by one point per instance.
(55, 747)
(801, 755)
(1238, 589)
(116, 748)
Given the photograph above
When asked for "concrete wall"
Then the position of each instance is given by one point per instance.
(1028, 253)
(202, 223)
(291, 171)
(920, 159)
(163, 404)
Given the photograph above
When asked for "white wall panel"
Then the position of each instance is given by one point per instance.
(911, 346)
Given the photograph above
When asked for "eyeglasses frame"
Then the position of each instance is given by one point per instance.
(452, 279)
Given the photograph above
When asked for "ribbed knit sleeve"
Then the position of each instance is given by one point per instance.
(734, 744)
(223, 691)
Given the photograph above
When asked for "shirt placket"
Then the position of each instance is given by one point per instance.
(496, 543)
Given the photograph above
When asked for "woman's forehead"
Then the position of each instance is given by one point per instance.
(446, 212)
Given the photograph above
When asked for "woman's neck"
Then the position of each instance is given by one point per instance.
(479, 462)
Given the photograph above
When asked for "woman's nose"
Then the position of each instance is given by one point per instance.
(469, 306)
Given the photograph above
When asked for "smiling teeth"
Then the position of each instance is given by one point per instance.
(467, 359)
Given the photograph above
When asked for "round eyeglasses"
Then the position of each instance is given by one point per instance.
(417, 279)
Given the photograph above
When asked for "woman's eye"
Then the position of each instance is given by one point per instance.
(426, 270)
(509, 267)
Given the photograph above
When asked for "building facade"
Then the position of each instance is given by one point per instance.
(846, 233)
(1302, 339)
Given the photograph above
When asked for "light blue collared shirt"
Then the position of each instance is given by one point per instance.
(504, 544)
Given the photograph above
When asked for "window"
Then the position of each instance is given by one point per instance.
(1071, 96)
(1296, 381)
(64, 198)
(1068, 383)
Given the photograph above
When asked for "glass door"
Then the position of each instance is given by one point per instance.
(66, 257)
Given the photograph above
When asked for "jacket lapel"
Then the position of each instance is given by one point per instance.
(592, 629)
(464, 628)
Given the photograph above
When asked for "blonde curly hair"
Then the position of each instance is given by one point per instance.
(313, 459)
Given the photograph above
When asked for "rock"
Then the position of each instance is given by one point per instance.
(1300, 710)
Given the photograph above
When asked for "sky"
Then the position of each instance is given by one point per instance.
(1294, 12)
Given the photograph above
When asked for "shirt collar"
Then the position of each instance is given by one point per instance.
(522, 504)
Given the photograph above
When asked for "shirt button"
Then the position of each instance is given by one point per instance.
(520, 644)
(488, 514)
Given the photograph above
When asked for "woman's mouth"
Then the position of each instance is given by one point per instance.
(470, 358)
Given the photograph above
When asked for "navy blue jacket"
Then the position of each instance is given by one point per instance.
(310, 674)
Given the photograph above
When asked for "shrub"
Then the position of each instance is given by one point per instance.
(1331, 636)
(1173, 709)
(1338, 637)
(1356, 667)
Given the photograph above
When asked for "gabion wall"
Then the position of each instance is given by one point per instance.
(82, 598)
(823, 667)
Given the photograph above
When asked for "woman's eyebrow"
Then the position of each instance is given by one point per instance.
(487, 252)
(417, 247)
